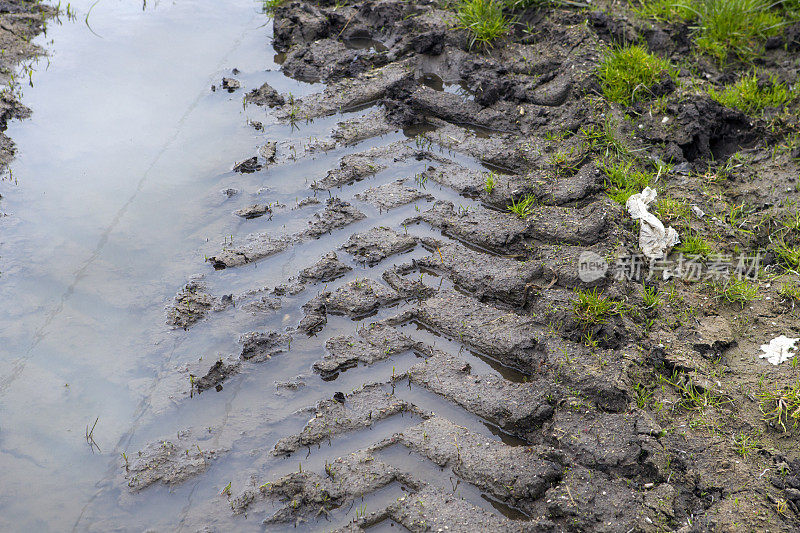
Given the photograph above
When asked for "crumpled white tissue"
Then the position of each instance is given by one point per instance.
(779, 349)
(654, 239)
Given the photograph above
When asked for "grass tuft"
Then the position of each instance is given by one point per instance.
(483, 19)
(693, 244)
(788, 256)
(790, 291)
(693, 398)
(627, 73)
(268, 6)
(670, 209)
(734, 27)
(523, 207)
(623, 179)
(651, 297)
(749, 95)
(489, 183)
(665, 10)
(734, 290)
(781, 406)
(591, 307)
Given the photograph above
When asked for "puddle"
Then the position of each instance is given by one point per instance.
(116, 192)
(117, 199)
(458, 86)
(364, 43)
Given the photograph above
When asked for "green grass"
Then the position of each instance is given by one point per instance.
(489, 184)
(590, 307)
(693, 397)
(734, 290)
(789, 256)
(628, 72)
(790, 291)
(792, 221)
(693, 244)
(604, 139)
(623, 179)
(665, 10)
(671, 209)
(734, 27)
(725, 28)
(643, 395)
(745, 444)
(268, 6)
(781, 406)
(523, 207)
(651, 297)
(746, 94)
(483, 19)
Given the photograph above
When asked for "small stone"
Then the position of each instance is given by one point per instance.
(230, 84)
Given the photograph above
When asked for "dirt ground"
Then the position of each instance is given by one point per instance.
(617, 403)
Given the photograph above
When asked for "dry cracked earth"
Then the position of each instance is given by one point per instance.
(452, 384)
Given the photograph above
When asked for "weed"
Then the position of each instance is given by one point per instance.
(523, 207)
(651, 297)
(751, 96)
(734, 27)
(643, 396)
(781, 406)
(564, 163)
(627, 73)
(790, 291)
(268, 6)
(623, 180)
(90, 436)
(488, 186)
(294, 111)
(734, 216)
(745, 444)
(483, 19)
(665, 10)
(734, 290)
(792, 222)
(604, 139)
(671, 209)
(693, 398)
(789, 256)
(694, 244)
(590, 307)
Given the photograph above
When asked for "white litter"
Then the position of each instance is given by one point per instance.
(654, 239)
(779, 349)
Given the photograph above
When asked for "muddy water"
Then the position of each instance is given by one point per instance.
(115, 191)
(115, 201)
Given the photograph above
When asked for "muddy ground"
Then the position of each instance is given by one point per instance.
(650, 419)
(20, 22)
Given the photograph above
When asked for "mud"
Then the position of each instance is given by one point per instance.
(428, 333)
(193, 303)
(170, 461)
(20, 22)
